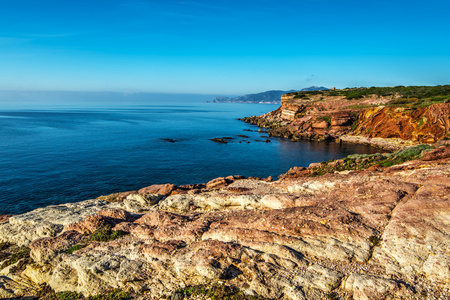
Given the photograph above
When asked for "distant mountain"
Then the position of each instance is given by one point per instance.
(314, 88)
(269, 97)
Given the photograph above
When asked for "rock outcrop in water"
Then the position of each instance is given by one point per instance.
(378, 233)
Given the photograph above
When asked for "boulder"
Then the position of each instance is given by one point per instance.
(375, 287)
(158, 189)
(141, 202)
(48, 221)
(218, 183)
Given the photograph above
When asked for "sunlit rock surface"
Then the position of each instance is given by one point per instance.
(371, 234)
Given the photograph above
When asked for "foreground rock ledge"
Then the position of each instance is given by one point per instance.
(359, 235)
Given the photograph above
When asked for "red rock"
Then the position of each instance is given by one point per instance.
(105, 217)
(88, 225)
(438, 153)
(125, 226)
(268, 179)
(142, 232)
(341, 121)
(425, 125)
(163, 250)
(161, 189)
(320, 125)
(217, 183)
(117, 197)
(375, 168)
(61, 242)
(315, 165)
(119, 215)
(295, 172)
(4, 218)
(161, 219)
(179, 192)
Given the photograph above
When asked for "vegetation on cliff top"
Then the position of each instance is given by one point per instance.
(402, 95)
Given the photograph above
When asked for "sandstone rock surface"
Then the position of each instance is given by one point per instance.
(370, 234)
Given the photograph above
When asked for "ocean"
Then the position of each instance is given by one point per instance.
(52, 155)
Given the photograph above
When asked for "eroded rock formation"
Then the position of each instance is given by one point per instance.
(424, 125)
(366, 121)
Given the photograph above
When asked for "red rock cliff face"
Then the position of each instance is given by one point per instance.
(357, 120)
(424, 125)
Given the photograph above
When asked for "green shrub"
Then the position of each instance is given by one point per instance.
(217, 292)
(111, 295)
(105, 234)
(364, 161)
(354, 95)
(69, 296)
(15, 257)
(413, 152)
(412, 96)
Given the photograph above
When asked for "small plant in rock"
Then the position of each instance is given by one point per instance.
(105, 234)
(48, 294)
(217, 292)
(12, 258)
(51, 295)
(69, 296)
(113, 295)
(75, 248)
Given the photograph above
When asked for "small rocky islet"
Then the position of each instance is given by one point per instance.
(362, 227)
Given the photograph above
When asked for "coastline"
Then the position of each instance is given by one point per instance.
(352, 228)
(326, 248)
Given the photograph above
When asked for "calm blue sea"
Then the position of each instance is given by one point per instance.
(58, 155)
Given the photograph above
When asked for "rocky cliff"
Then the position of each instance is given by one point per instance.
(328, 115)
(425, 125)
(378, 233)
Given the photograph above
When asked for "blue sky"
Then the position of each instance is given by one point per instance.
(221, 47)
